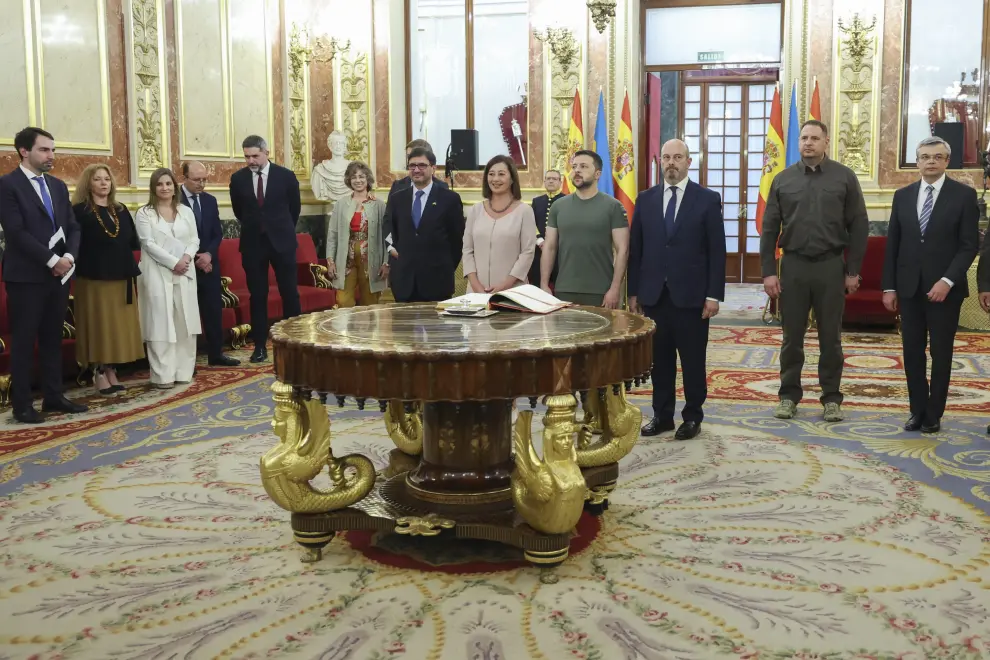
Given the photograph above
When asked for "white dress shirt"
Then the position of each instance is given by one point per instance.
(667, 192)
(426, 194)
(37, 190)
(922, 197)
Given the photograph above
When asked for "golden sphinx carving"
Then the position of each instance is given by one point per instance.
(549, 493)
(857, 77)
(303, 451)
(405, 427)
(620, 431)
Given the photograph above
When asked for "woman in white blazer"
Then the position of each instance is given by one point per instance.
(167, 285)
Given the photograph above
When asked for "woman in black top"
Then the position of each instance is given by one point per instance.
(108, 328)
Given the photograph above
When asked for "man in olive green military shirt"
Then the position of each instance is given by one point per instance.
(588, 235)
(817, 208)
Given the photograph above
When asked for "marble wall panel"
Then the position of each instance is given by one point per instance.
(820, 53)
(382, 31)
(203, 96)
(250, 73)
(276, 47)
(69, 165)
(74, 89)
(597, 78)
(17, 96)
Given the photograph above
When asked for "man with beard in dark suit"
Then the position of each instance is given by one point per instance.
(34, 210)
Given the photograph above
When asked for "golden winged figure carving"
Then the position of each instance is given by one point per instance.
(405, 428)
(548, 493)
(303, 429)
(621, 422)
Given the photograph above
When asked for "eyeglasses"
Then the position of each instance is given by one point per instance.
(937, 158)
(418, 166)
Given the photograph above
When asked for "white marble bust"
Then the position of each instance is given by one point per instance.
(328, 176)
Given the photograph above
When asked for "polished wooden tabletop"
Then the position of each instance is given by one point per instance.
(412, 352)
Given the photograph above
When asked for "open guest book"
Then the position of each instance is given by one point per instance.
(523, 298)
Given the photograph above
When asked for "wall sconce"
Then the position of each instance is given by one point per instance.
(562, 44)
(602, 13)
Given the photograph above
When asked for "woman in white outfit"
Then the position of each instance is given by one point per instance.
(167, 285)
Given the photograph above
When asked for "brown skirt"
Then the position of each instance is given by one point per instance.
(108, 330)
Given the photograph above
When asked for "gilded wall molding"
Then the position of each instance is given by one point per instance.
(299, 126)
(857, 72)
(149, 123)
(355, 98)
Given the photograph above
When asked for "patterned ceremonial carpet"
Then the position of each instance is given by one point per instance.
(141, 531)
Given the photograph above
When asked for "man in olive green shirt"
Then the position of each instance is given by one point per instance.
(588, 235)
(817, 208)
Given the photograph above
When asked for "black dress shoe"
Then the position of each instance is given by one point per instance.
(687, 430)
(259, 355)
(223, 361)
(914, 423)
(62, 404)
(28, 416)
(658, 426)
(931, 427)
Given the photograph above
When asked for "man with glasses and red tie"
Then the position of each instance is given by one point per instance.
(204, 207)
(42, 236)
(266, 202)
(932, 239)
(424, 233)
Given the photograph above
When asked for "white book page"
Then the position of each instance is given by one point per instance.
(532, 297)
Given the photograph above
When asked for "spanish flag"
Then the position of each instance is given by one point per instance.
(575, 141)
(815, 106)
(624, 168)
(773, 156)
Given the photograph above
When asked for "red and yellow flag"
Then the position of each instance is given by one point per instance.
(575, 141)
(624, 169)
(815, 106)
(773, 157)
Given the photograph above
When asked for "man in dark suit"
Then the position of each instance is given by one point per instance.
(677, 276)
(34, 208)
(541, 209)
(932, 239)
(424, 235)
(983, 279)
(266, 202)
(204, 207)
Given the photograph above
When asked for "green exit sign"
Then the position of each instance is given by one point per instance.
(711, 56)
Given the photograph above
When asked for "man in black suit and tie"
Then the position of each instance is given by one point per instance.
(266, 202)
(541, 209)
(424, 234)
(204, 207)
(932, 239)
(34, 207)
(677, 276)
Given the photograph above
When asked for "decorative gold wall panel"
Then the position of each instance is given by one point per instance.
(355, 99)
(299, 132)
(856, 79)
(564, 73)
(148, 120)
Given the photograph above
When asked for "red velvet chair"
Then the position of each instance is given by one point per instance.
(865, 307)
(316, 293)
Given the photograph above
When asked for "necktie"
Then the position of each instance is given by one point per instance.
(671, 213)
(261, 190)
(418, 209)
(47, 199)
(198, 212)
(926, 210)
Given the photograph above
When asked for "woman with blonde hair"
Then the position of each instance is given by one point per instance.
(355, 244)
(500, 233)
(108, 327)
(167, 287)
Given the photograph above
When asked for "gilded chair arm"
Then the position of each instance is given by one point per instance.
(70, 312)
(68, 330)
(228, 297)
(3, 346)
(321, 276)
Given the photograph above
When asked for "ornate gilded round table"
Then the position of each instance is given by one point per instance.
(449, 383)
